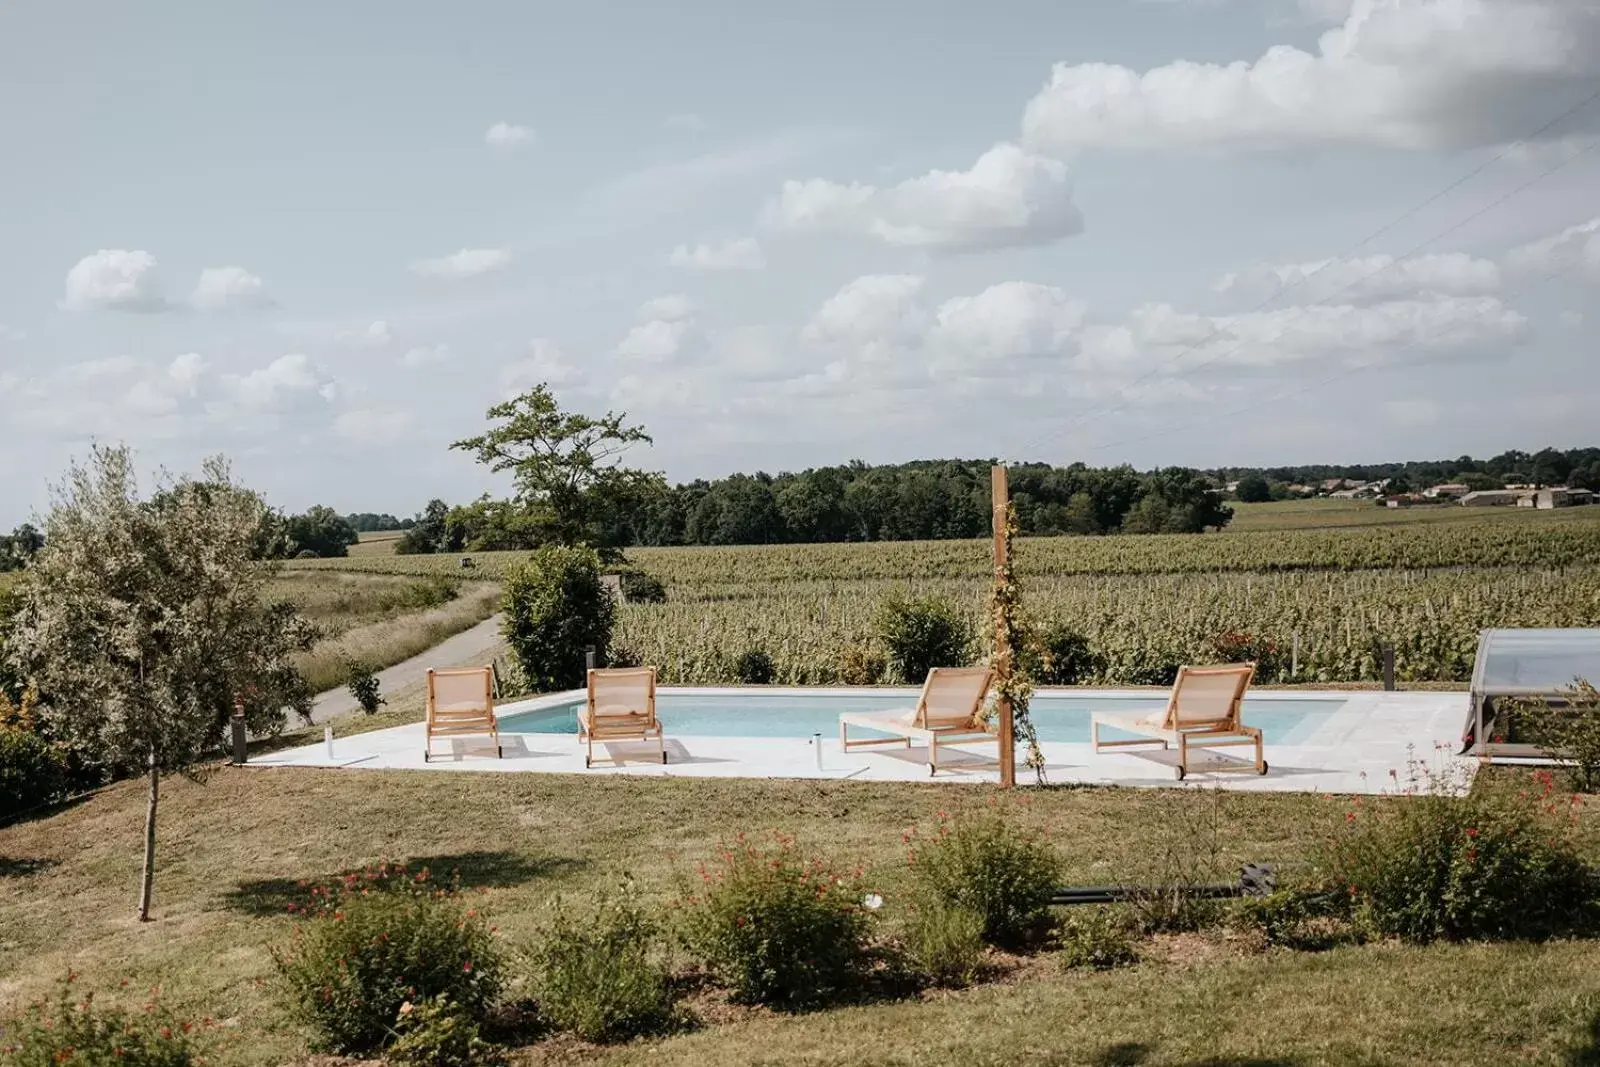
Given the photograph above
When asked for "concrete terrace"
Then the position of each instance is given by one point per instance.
(1371, 744)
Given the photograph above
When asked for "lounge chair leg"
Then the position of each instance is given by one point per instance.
(933, 756)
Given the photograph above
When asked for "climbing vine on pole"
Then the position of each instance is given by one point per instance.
(1010, 635)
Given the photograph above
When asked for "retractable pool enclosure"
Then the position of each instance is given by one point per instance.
(1515, 665)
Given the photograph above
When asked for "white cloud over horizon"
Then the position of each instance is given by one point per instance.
(467, 263)
(114, 279)
(735, 253)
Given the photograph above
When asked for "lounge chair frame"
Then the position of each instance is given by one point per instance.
(461, 721)
(634, 726)
(1224, 732)
(918, 729)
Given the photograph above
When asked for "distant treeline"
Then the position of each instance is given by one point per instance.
(1578, 467)
(924, 500)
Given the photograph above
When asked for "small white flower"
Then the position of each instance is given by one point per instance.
(872, 902)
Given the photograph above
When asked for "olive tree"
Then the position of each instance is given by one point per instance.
(144, 622)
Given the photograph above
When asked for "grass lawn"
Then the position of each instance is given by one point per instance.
(232, 851)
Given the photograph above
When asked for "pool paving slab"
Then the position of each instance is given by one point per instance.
(1376, 742)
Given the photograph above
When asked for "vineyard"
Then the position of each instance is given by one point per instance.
(1316, 603)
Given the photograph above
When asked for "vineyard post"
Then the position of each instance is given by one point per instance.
(1294, 658)
(1002, 661)
(1388, 667)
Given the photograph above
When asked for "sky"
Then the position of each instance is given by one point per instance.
(322, 239)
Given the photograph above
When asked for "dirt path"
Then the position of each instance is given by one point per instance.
(473, 647)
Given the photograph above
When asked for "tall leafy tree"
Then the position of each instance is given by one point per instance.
(567, 467)
(144, 621)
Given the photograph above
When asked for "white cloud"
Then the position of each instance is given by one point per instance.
(425, 355)
(375, 334)
(1365, 279)
(1434, 74)
(1571, 318)
(1158, 337)
(371, 427)
(1576, 247)
(667, 326)
(186, 371)
(117, 395)
(287, 380)
(114, 279)
(739, 253)
(1005, 323)
(467, 263)
(1009, 198)
(221, 288)
(507, 135)
(544, 363)
(874, 316)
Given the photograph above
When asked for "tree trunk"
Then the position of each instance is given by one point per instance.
(147, 883)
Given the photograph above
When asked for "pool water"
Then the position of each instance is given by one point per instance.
(1056, 717)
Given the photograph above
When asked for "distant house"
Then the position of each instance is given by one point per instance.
(1333, 485)
(1449, 490)
(1301, 490)
(1404, 500)
(1560, 497)
(1493, 498)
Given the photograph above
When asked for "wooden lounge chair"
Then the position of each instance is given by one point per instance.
(1202, 712)
(947, 711)
(621, 707)
(461, 701)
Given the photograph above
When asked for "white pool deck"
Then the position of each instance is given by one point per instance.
(1369, 745)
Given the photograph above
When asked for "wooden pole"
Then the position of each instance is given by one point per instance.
(1002, 638)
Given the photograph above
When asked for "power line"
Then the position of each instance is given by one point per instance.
(1216, 330)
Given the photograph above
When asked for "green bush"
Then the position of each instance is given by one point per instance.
(1297, 917)
(1098, 939)
(598, 976)
(922, 633)
(556, 609)
(945, 942)
(437, 1033)
(640, 587)
(71, 1031)
(363, 686)
(1568, 727)
(1492, 864)
(984, 863)
(377, 942)
(1063, 657)
(777, 929)
(754, 667)
(33, 772)
(859, 665)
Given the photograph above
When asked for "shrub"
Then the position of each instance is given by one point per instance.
(859, 665)
(945, 941)
(639, 587)
(376, 942)
(598, 977)
(33, 772)
(987, 865)
(777, 929)
(71, 1031)
(1568, 728)
(754, 667)
(1098, 939)
(922, 633)
(1300, 917)
(1232, 646)
(437, 1033)
(1063, 656)
(1185, 854)
(556, 609)
(363, 686)
(1490, 864)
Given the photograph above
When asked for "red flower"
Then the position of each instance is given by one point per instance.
(467, 967)
(1472, 831)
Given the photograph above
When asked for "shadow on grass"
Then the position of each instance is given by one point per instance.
(1587, 1054)
(18, 867)
(470, 870)
(1133, 1054)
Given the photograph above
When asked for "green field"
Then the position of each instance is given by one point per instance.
(1145, 603)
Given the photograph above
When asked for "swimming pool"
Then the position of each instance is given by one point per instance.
(790, 713)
